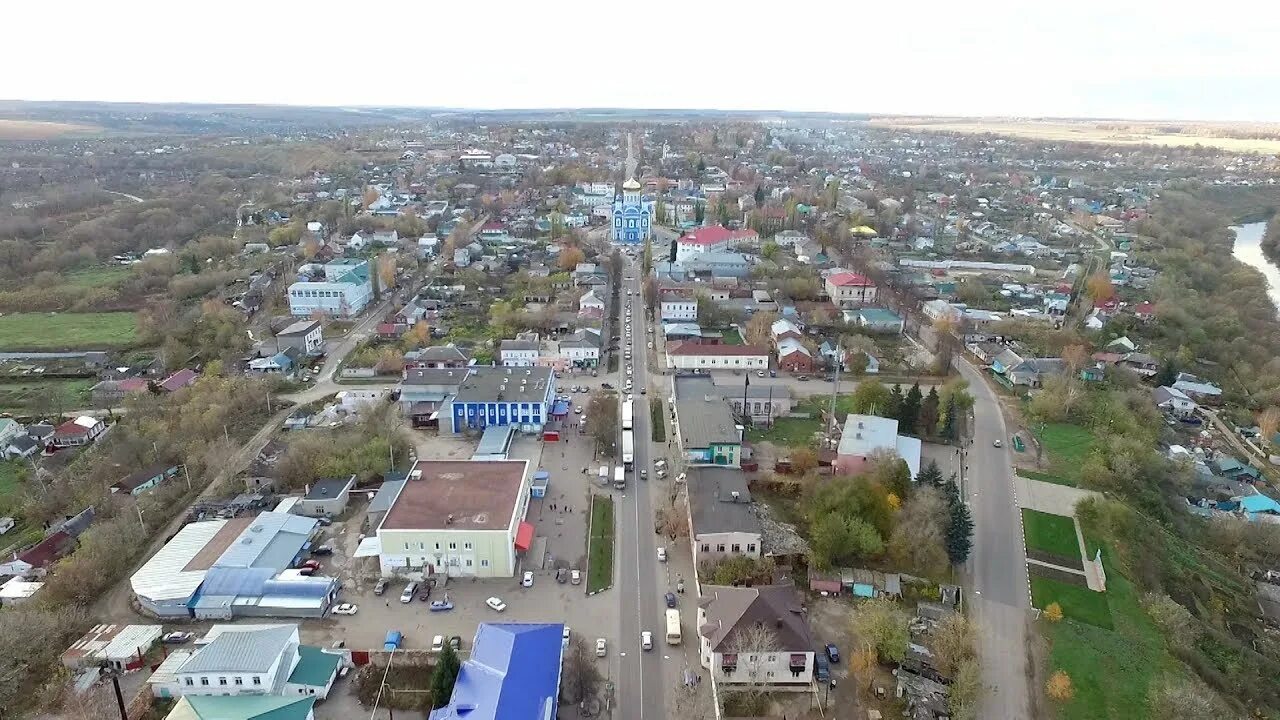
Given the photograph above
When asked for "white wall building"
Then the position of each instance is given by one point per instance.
(726, 612)
(677, 308)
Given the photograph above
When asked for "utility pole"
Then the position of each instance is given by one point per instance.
(835, 388)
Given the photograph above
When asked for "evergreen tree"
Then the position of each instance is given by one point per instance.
(893, 408)
(444, 676)
(947, 426)
(699, 212)
(959, 525)
(759, 195)
(1168, 374)
(910, 411)
(930, 474)
(928, 424)
(702, 165)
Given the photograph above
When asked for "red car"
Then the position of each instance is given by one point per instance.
(313, 565)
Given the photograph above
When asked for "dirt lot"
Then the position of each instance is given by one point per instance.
(829, 619)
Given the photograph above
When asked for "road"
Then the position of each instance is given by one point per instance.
(134, 198)
(997, 569)
(641, 686)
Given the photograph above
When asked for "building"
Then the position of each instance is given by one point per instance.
(678, 307)
(632, 215)
(80, 431)
(521, 352)
(755, 637)
(1174, 401)
(502, 396)
(16, 591)
(457, 518)
(58, 542)
(721, 520)
(249, 661)
(305, 336)
(848, 289)
(242, 707)
(879, 320)
(707, 432)
(345, 291)
(140, 481)
(590, 304)
(690, 356)
(864, 436)
(790, 238)
(582, 349)
(326, 497)
(711, 239)
(764, 402)
(121, 647)
(794, 357)
(436, 356)
(513, 673)
(423, 391)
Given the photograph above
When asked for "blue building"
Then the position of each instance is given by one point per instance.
(491, 396)
(513, 674)
(632, 214)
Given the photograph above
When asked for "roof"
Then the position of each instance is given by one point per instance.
(329, 488)
(878, 315)
(242, 651)
(447, 377)
(777, 607)
(272, 540)
(170, 572)
(689, 349)
(715, 234)
(178, 380)
(79, 426)
(242, 707)
(315, 667)
(513, 674)
(706, 421)
(45, 552)
(458, 495)
(713, 505)
(789, 345)
(1259, 503)
(865, 434)
(131, 481)
(104, 642)
(849, 279)
(302, 327)
(385, 496)
(507, 384)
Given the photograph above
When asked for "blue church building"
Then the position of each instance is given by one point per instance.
(632, 214)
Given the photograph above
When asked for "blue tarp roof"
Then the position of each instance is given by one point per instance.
(1259, 503)
(513, 674)
(560, 408)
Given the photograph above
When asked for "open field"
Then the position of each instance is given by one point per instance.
(96, 277)
(798, 432)
(36, 130)
(1081, 131)
(1077, 603)
(600, 544)
(67, 331)
(1065, 448)
(1054, 534)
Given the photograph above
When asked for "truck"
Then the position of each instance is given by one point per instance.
(619, 477)
(604, 474)
(673, 627)
(393, 641)
(628, 448)
(628, 416)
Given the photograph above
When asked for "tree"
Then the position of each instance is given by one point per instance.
(1168, 373)
(871, 397)
(699, 212)
(444, 676)
(880, 625)
(1075, 357)
(387, 270)
(1053, 613)
(966, 689)
(959, 539)
(837, 539)
(646, 263)
(918, 541)
(603, 412)
(894, 408)
(803, 460)
(954, 643)
(909, 414)
(418, 336)
(759, 330)
(1099, 288)
(1269, 423)
(570, 257)
(759, 195)
(649, 289)
(1059, 687)
(579, 678)
(930, 474)
(929, 410)
(752, 644)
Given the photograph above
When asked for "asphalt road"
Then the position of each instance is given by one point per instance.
(997, 569)
(640, 681)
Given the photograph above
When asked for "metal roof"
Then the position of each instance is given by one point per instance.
(513, 674)
(252, 651)
(272, 540)
(163, 577)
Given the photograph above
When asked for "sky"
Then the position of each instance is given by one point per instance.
(1080, 58)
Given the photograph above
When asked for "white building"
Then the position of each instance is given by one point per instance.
(689, 356)
(678, 308)
(249, 660)
(732, 622)
(455, 517)
(521, 352)
(790, 238)
(864, 436)
(590, 302)
(848, 289)
(345, 291)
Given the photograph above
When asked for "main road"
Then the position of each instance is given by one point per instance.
(999, 595)
(640, 680)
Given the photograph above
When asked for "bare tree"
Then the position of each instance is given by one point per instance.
(580, 678)
(692, 703)
(752, 644)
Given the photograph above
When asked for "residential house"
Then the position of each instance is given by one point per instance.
(677, 307)
(707, 432)
(1141, 363)
(689, 356)
(864, 436)
(1029, 372)
(326, 497)
(58, 542)
(140, 481)
(512, 673)
(879, 320)
(80, 431)
(109, 393)
(282, 363)
(242, 707)
(711, 239)
(722, 521)
(590, 305)
(1196, 388)
(790, 238)
(582, 349)
(848, 289)
(10, 430)
(1173, 401)
(423, 391)
(436, 356)
(731, 623)
(261, 660)
(305, 336)
(521, 352)
(794, 357)
(185, 377)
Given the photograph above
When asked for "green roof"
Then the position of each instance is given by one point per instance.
(245, 707)
(315, 667)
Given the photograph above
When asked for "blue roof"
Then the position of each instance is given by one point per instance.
(513, 674)
(560, 408)
(1259, 503)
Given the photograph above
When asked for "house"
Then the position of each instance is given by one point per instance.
(22, 446)
(783, 329)
(1173, 401)
(457, 518)
(879, 320)
(80, 431)
(790, 238)
(590, 304)
(108, 393)
(326, 497)
(501, 396)
(57, 543)
(765, 403)
(707, 432)
(262, 660)
(120, 647)
(755, 637)
(711, 239)
(305, 336)
(794, 357)
(423, 391)
(140, 481)
(678, 332)
(721, 519)
(17, 590)
(1194, 387)
(1030, 372)
(10, 430)
(849, 289)
(677, 307)
(242, 707)
(512, 673)
(1141, 363)
(582, 349)
(689, 356)
(344, 291)
(521, 352)
(281, 363)
(863, 436)
(436, 356)
(185, 377)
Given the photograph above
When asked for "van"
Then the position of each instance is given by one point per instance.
(409, 590)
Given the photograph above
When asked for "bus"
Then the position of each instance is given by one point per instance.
(628, 448)
(673, 627)
(627, 416)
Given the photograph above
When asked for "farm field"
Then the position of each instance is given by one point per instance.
(67, 331)
(41, 396)
(1065, 131)
(37, 130)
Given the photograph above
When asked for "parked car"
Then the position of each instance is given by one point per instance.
(803, 378)
(313, 564)
(662, 554)
(527, 580)
(455, 642)
(393, 641)
(601, 646)
(381, 587)
(424, 592)
(176, 638)
(345, 609)
(821, 668)
(833, 652)
(564, 637)
(437, 644)
(496, 603)
(562, 575)
(671, 599)
(996, 444)
(575, 577)
(322, 550)
(441, 605)
(759, 373)
(409, 590)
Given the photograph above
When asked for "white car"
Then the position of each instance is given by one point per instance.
(527, 580)
(495, 603)
(345, 609)
(564, 637)
(437, 644)
(628, 372)
(662, 554)
(650, 344)
(631, 397)
(601, 650)
(646, 640)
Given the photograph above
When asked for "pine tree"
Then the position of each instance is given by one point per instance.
(928, 424)
(947, 426)
(699, 212)
(909, 413)
(444, 676)
(893, 408)
(959, 526)
(930, 474)
(759, 195)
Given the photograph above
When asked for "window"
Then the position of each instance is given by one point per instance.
(190, 682)
(222, 681)
(204, 681)
(437, 546)
(720, 547)
(751, 547)
(406, 546)
(484, 563)
(466, 546)
(453, 546)
(257, 680)
(773, 658)
(422, 546)
(706, 547)
(737, 548)
(468, 563)
(769, 674)
(239, 680)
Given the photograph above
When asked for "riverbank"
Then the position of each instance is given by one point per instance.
(1248, 249)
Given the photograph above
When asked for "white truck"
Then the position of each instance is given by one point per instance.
(628, 417)
(619, 477)
(628, 448)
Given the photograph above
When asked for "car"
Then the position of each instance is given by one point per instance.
(306, 571)
(345, 609)
(424, 592)
(441, 605)
(660, 464)
(455, 642)
(577, 410)
(644, 391)
(562, 575)
(833, 652)
(437, 643)
(496, 604)
(821, 668)
(662, 554)
(337, 644)
(409, 590)
(381, 587)
(629, 372)
(759, 373)
(564, 637)
(646, 640)
(575, 576)
(671, 599)
(997, 443)
(643, 474)
(527, 579)
(630, 397)
(681, 477)
(322, 550)
(601, 647)
(176, 638)
(773, 373)
(606, 386)
(803, 378)
(313, 564)
(395, 639)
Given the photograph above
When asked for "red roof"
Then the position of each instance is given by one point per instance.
(71, 427)
(716, 234)
(132, 385)
(43, 553)
(492, 225)
(849, 279)
(685, 348)
(524, 536)
(178, 380)
(1145, 308)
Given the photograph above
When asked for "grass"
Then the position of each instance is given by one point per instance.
(1066, 447)
(1054, 534)
(1045, 477)
(34, 396)
(1078, 603)
(67, 331)
(658, 423)
(600, 544)
(96, 277)
(40, 130)
(798, 432)
(733, 337)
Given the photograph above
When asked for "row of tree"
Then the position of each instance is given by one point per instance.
(938, 414)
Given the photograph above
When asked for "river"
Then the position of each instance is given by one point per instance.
(1248, 250)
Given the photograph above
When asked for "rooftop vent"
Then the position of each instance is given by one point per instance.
(449, 520)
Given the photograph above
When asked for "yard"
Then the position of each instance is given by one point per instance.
(38, 397)
(1054, 534)
(1077, 602)
(1065, 449)
(96, 277)
(733, 337)
(600, 544)
(798, 432)
(67, 331)
(12, 473)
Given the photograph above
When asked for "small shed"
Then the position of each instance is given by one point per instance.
(541, 479)
(326, 497)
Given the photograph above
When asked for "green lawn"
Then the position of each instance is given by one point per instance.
(39, 396)
(600, 544)
(798, 432)
(1045, 477)
(1051, 533)
(732, 337)
(1065, 448)
(1078, 603)
(96, 277)
(67, 331)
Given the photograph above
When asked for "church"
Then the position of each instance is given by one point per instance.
(632, 214)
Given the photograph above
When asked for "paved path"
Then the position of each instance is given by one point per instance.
(1049, 497)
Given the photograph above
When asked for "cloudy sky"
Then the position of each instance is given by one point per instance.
(1083, 58)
